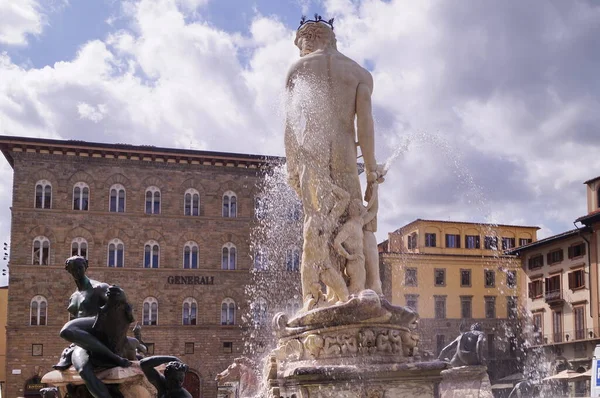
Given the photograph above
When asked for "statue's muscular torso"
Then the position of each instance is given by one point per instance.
(328, 82)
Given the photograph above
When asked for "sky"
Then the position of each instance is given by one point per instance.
(497, 101)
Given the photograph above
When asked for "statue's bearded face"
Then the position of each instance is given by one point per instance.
(314, 36)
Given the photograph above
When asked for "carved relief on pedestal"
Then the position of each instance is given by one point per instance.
(350, 342)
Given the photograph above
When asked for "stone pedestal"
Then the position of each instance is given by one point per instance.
(131, 381)
(364, 348)
(466, 382)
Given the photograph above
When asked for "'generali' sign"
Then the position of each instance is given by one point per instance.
(190, 280)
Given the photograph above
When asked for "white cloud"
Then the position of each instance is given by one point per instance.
(499, 102)
(18, 19)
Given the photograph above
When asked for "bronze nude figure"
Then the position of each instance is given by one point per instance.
(171, 384)
(466, 349)
(88, 332)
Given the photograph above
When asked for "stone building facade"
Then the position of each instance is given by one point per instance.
(454, 274)
(170, 226)
(558, 301)
(3, 317)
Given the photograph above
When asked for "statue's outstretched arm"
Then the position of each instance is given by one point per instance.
(446, 351)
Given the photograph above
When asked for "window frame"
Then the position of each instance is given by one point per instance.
(485, 279)
(439, 300)
(229, 246)
(490, 300)
(475, 239)
(155, 194)
(454, 239)
(116, 242)
(191, 245)
(470, 275)
(229, 303)
(42, 239)
(191, 192)
(408, 281)
(117, 188)
(572, 279)
(532, 289)
(43, 184)
(511, 283)
(38, 300)
(293, 259)
(430, 239)
(150, 300)
(435, 271)
(550, 256)
(79, 241)
(81, 186)
(469, 300)
(191, 303)
(533, 260)
(152, 244)
(231, 204)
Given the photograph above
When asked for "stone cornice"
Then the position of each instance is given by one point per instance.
(84, 149)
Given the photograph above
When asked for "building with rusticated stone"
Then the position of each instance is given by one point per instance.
(454, 274)
(170, 226)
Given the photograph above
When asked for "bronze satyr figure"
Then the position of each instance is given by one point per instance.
(467, 349)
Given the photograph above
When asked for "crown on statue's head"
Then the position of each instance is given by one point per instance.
(318, 19)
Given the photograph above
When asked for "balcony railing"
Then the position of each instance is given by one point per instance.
(568, 336)
(554, 296)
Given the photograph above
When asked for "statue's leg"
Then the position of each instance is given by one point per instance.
(335, 281)
(373, 280)
(356, 271)
(81, 363)
(78, 333)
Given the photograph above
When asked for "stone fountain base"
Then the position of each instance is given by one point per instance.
(130, 382)
(364, 348)
(466, 382)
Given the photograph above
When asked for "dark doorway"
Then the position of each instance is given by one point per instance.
(192, 384)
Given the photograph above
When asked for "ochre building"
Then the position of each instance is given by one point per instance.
(170, 226)
(453, 274)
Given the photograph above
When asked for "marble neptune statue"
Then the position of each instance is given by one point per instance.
(327, 95)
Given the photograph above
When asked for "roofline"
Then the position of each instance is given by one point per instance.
(589, 219)
(548, 240)
(63, 146)
(466, 223)
(591, 180)
(404, 254)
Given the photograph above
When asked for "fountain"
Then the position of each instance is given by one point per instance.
(346, 340)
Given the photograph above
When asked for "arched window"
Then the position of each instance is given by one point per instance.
(81, 196)
(43, 194)
(150, 311)
(152, 200)
(79, 247)
(228, 312)
(259, 311)
(117, 199)
(116, 253)
(151, 254)
(190, 308)
(261, 205)
(38, 311)
(191, 203)
(228, 256)
(190, 255)
(229, 204)
(260, 259)
(292, 259)
(41, 251)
